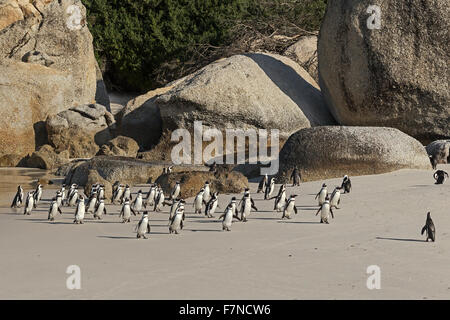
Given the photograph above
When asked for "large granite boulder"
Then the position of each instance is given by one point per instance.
(46, 158)
(81, 130)
(140, 119)
(334, 151)
(395, 76)
(45, 67)
(120, 146)
(258, 91)
(440, 150)
(246, 91)
(126, 170)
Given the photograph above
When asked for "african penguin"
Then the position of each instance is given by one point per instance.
(322, 194)
(439, 176)
(429, 228)
(18, 198)
(289, 207)
(100, 209)
(143, 226)
(325, 210)
(80, 211)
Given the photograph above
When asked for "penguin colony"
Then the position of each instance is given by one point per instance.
(205, 203)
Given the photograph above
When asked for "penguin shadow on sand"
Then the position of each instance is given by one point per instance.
(400, 239)
(204, 230)
(298, 222)
(264, 218)
(307, 208)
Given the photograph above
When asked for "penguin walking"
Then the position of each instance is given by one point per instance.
(53, 211)
(29, 203)
(289, 207)
(246, 207)
(325, 210)
(335, 198)
(63, 193)
(198, 201)
(296, 177)
(206, 193)
(228, 217)
(37, 195)
(280, 199)
(73, 198)
(117, 195)
(262, 184)
(150, 201)
(233, 205)
(143, 226)
(18, 198)
(126, 194)
(101, 192)
(346, 184)
(125, 212)
(73, 188)
(270, 187)
(80, 211)
(100, 209)
(176, 223)
(211, 206)
(175, 191)
(247, 192)
(439, 176)
(322, 194)
(92, 202)
(429, 228)
(137, 203)
(160, 200)
(59, 198)
(173, 208)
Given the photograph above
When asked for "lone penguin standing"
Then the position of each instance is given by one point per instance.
(429, 228)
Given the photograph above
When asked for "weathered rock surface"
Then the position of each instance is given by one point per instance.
(396, 76)
(258, 91)
(333, 151)
(304, 52)
(46, 158)
(94, 177)
(81, 130)
(10, 160)
(45, 68)
(126, 170)
(191, 182)
(440, 150)
(140, 119)
(120, 146)
(246, 91)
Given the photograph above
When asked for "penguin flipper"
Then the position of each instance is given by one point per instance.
(148, 227)
(332, 215)
(181, 224)
(295, 209)
(254, 207)
(318, 211)
(423, 229)
(59, 210)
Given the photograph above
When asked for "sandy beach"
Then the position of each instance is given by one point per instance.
(379, 223)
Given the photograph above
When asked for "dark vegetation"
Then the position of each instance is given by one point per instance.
(144, 44)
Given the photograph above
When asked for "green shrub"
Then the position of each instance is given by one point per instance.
(143, 44)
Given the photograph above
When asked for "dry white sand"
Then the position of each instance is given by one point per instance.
(379, 223)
